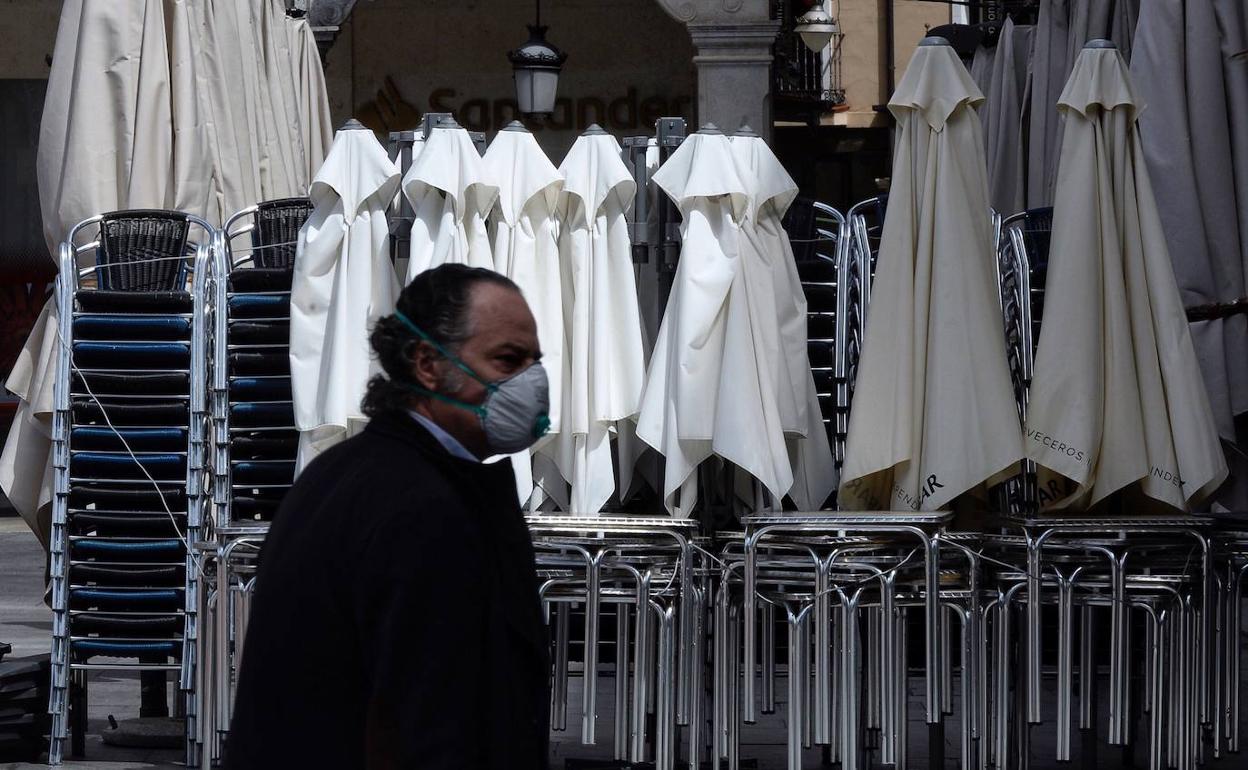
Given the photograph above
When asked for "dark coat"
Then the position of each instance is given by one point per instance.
(396, 621)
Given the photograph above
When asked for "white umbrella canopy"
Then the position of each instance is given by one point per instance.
(933, 413)
(1050, 69)
(192, 161)
(1186, 138)
(1117, 400)
(276, 164)
(1232, 18)
(711, 389)
(1002, 118)
(981, 69)
(312, 99)
(276, 81)
(604, 364)
(246, 68)
(235, 182)
(120, 129)
(1063, 26)
(767, 259)
(26, 461)
(105, 139)
(150, 104)
(343, 283)
(451, 198)
(524, 230)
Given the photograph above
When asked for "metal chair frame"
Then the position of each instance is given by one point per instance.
(69, 283)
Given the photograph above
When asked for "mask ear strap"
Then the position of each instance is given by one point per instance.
(448, 355)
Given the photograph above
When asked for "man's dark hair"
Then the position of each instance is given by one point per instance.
(437, 301)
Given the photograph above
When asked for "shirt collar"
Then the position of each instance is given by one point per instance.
(448, 442)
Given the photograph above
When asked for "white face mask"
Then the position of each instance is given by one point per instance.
(515, 412)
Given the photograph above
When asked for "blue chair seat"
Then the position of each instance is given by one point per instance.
(250, 279)
(260, 306)
(88, 648)
(105, 301)
(132, 355)
(127, 498)
(818, 269)
(127, 550)
(825, 381)
(143, 626)
(259, 333)
(271, 364)
(138, 439)
(260, 389)
(126, 524)
(822, 354)
(124, 414)
(260, 505)
(820, 299)
(131, 327)
(272, 445)
(173, 575)
(264, 414)
(253, 472)
(109, 466)
(126, 600)
(821, 326)
(131, 383)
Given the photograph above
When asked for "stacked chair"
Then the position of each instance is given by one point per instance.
(255, 440)
(1022, 264)
(23, 707)
(860, 246)
(253, 413)
(866, 228)
(648, 571)
(818, 251)
(130, 453)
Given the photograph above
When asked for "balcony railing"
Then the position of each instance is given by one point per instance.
(805, 83)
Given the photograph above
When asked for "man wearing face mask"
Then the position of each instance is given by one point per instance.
(396, 620)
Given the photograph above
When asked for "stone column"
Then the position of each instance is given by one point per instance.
(733, 39)
(734, 73)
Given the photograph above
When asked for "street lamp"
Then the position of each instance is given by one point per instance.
(535, 67)
(816, 27)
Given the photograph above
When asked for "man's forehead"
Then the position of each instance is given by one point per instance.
(500, 317)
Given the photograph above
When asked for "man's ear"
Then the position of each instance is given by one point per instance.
(426, 365)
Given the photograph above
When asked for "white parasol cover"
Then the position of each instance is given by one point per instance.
(343, 283)
(276, 98)
(105, 138)
(711, 387)
(604, 364)
(235, 180)
(933, 413)
(151, 104)
(1002, 118)
(312, 99)
(26, 462)
(1117, 397)
(524, 229)
(121, 71)
(767, 259)
(451, 198)
(1186, 138)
